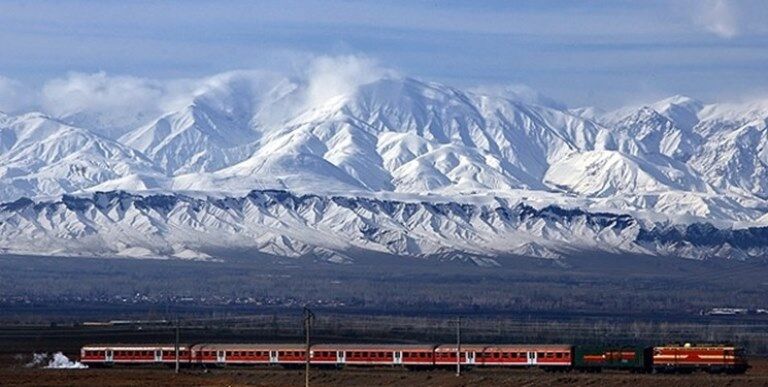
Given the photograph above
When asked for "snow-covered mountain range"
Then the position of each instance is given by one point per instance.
(395, 165)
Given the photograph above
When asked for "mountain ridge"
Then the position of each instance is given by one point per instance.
(678, 161)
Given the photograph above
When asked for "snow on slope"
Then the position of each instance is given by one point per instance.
(337, 228)
(674, 162)
(404, 135)
(41, 156)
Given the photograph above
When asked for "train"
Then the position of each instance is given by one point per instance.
(668, 358)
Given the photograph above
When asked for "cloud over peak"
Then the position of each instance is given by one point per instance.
(114, 104)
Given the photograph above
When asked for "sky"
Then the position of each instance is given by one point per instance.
(596, 53)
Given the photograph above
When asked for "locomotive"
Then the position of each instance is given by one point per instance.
(669, 358)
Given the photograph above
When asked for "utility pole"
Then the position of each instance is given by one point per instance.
(177, 345)
(458, 346)
(308, 317)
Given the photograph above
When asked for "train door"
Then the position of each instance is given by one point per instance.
(158, 355)
(273, 357)
(398, 356)
(221, 356)
(470, 357)
(532, 360)
(341, 357)
(109, 356)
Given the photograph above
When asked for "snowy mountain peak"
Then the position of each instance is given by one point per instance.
(673, 162)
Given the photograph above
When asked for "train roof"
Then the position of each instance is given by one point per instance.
(372, 347)
(135, 347)
(528, 347)
(504, 347)
(695, 347)
(464, 347)
(248, 347)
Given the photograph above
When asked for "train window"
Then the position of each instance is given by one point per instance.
(550, 355)
(559, 355)
(540, 354)
(505, 355)
(495, 355)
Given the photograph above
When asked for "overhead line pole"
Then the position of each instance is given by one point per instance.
(458, 346)
(176, 347)
(308, 317)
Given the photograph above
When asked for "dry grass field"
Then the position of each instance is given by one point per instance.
(20, 376)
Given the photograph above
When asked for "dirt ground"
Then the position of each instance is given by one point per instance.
(20, 376)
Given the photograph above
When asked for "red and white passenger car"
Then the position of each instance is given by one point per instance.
(134, 353)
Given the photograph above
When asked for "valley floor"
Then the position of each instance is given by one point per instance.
(15, 376)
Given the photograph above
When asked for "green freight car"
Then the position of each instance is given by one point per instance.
(597, 358)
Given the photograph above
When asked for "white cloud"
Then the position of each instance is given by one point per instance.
(114, 104)
(15, 96)
(110, 103)
(719, 17)
(332, 76)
